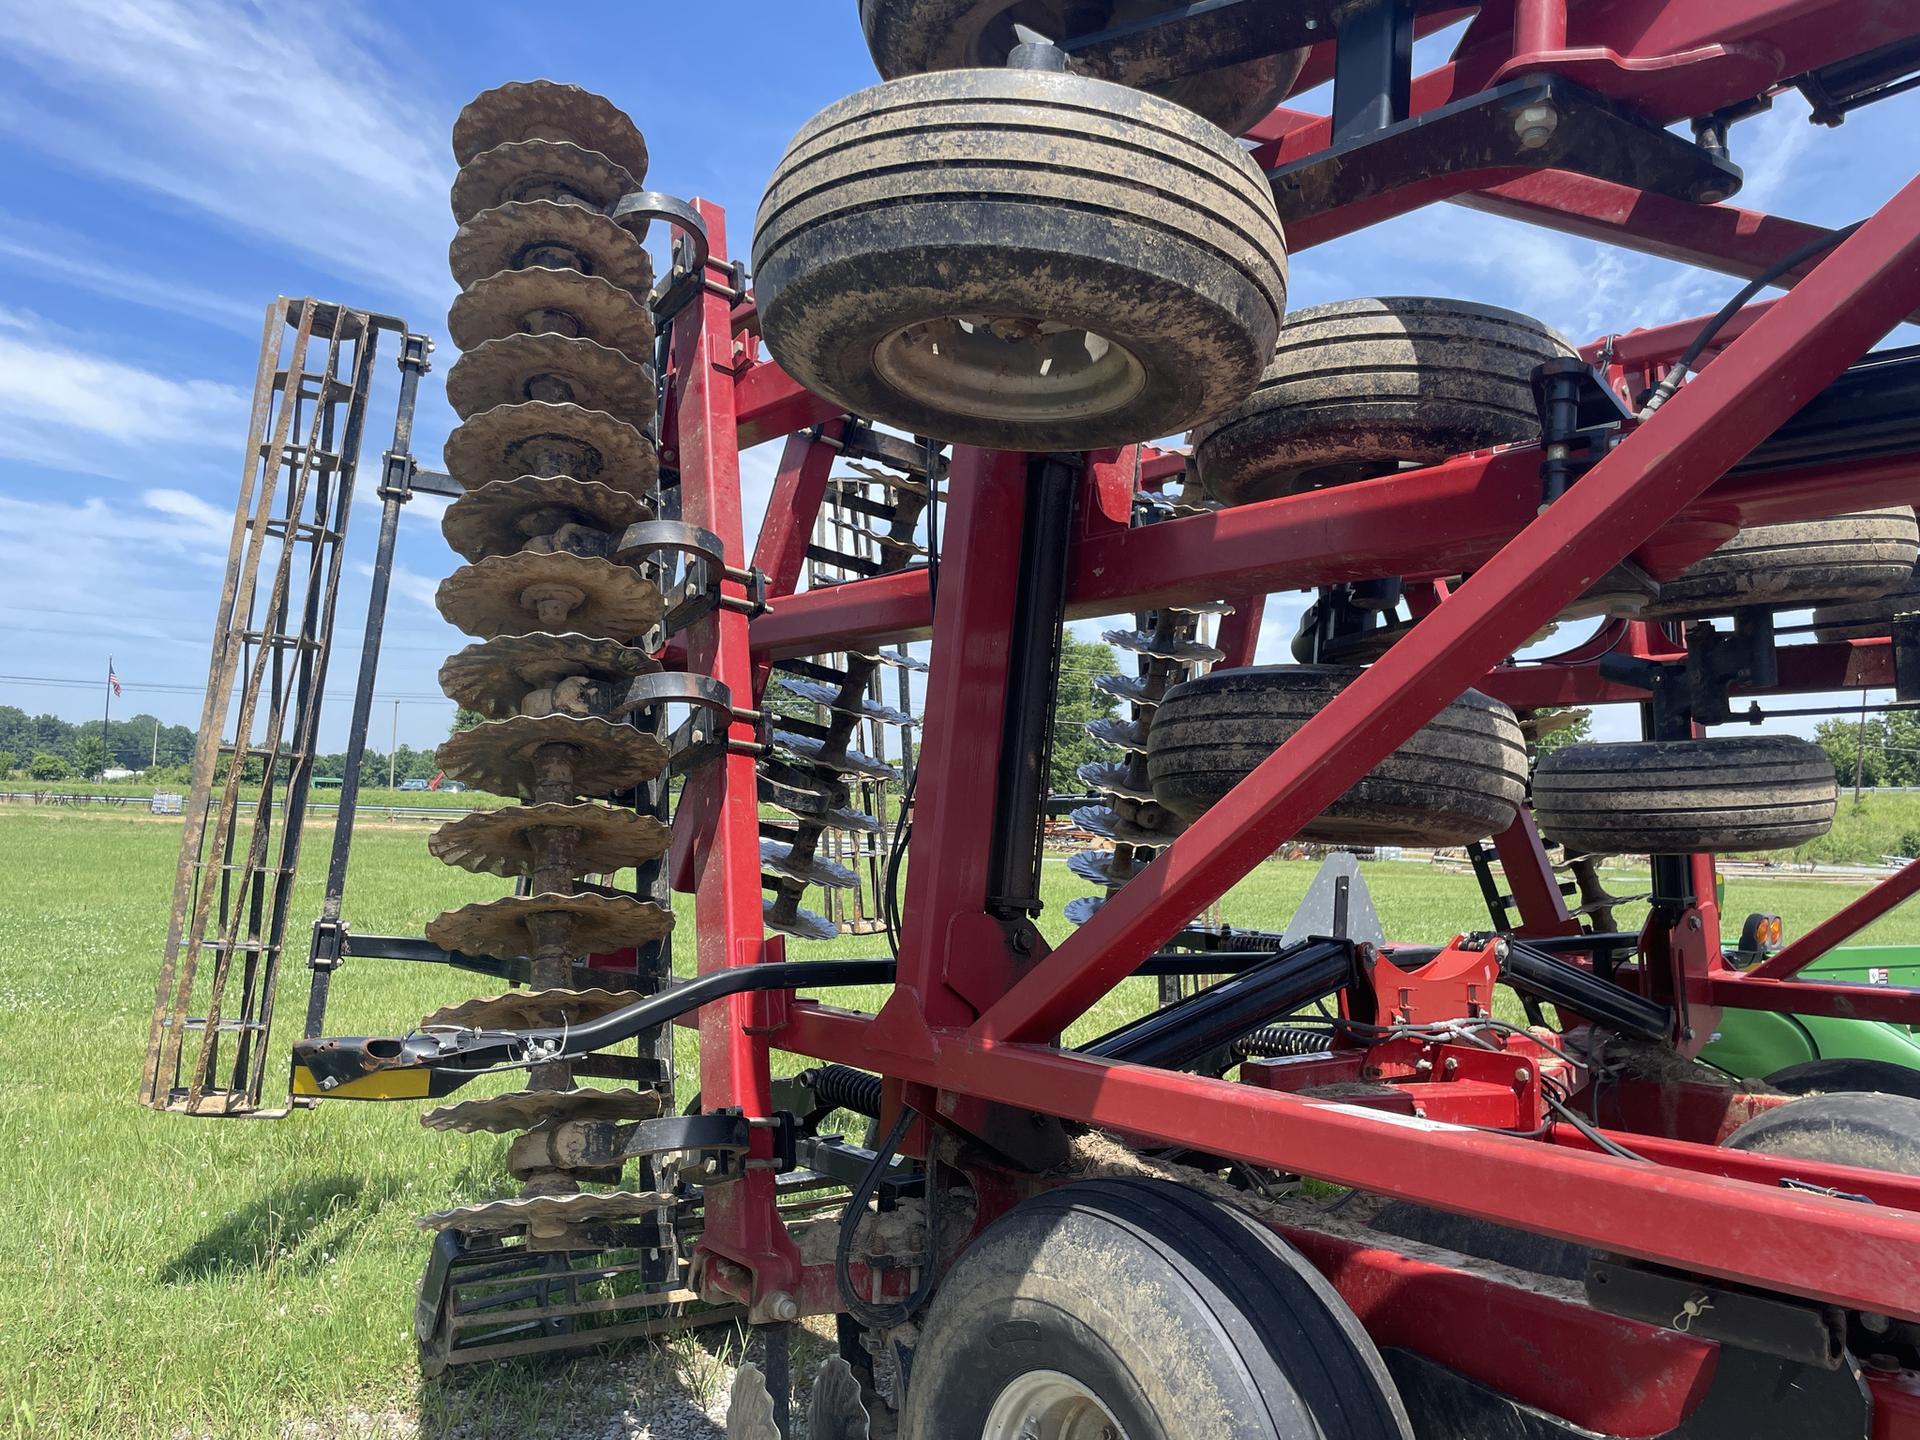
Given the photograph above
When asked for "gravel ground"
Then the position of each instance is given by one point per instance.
(675, 1390)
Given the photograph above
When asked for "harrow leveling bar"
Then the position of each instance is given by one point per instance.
(1556, 1230)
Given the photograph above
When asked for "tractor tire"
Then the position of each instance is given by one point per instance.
(1875, 1132)
(911, 37)
(1356, 388)
(1675, 797)
(1846, 1075)
(1841, 559)
(1461, 777)
(1150, 1303)
(1867, 619)
(1021, 260)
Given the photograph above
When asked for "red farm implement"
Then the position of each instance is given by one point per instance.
(980, 292)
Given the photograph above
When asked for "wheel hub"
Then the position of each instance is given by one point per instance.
(1050, 1405)
(1009, 367)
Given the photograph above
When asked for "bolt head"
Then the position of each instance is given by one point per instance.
(1533, 125)
(1522, 1075)
(783, 1307)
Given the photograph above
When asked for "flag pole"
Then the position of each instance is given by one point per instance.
(105, 716)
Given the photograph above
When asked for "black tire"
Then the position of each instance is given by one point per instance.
(1876, 1132)
(1844, 1074)
(906, 213)
(1355, 388)
(1856, 557)
(1675, 797)
(1867, 619)
(910, 37)
(1461, 776)
(1165, 1305)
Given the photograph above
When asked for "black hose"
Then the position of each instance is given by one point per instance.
(1670, 382)
(896, 1312)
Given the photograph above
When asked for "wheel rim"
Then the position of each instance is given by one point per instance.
(1008, 368)
(1047, 1405)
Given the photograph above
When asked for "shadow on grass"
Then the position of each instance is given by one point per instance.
(270, 1229)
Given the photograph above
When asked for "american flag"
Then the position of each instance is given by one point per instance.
(112, 679)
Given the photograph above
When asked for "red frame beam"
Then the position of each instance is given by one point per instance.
(1846, 922)
(719, 813)
(1837, 1251)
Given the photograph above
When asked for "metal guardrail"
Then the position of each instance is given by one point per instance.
(144, 802)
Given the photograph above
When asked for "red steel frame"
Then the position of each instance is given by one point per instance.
(969, 1024)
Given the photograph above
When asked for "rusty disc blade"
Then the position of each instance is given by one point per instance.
(801, 924)
(525, 233)
(549, 1214)
(534, 437)
(495, 676)
(519, 1109)
(579, 372)
(499, 756)
(557, 170)
(548, 110)
(501, 842)
(541, 300)
(595, 924)
(502, 516)
(501, 594)
(529, 1009)
(1111, 777)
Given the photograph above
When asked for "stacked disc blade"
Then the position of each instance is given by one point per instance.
(556, 456)
(1168, 647)
(869, 525)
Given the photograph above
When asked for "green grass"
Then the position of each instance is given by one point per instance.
(167, 1277)
(1876, 824)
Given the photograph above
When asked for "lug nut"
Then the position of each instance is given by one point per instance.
(1533, 125)
(782, 1306)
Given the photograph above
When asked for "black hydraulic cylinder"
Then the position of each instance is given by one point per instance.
(1559, 982)
(1206, 1023)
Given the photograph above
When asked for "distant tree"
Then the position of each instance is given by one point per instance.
(465, 719)
(9, 762)
(1558, 733)
(1075, 704)
(1851, 745)
(47, 766)
(89, 756)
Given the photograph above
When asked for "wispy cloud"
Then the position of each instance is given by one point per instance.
(72, 409)
(67, 256)
(281, 121)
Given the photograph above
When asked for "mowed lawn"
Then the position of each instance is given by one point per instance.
(173, 1277)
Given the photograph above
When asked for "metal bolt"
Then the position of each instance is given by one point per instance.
(1522, 1075)
(1451, 1066)
(1875, 1324)
(1533, 125)
(783, 1306)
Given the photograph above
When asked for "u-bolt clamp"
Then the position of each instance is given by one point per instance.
(703, 735)
(692, 590)
(687, 276)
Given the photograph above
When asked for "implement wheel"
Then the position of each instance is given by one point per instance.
(1356, 388)
(1140, 1309)
(1843, 558)
(1459, 778)
(909, 37)
(1873, 1131)
(1675, 797)
(1020, 259)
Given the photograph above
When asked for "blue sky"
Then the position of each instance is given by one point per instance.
(170, 167)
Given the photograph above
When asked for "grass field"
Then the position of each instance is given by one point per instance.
(172, 1278)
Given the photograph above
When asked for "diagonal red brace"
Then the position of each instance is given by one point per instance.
(1852, 299)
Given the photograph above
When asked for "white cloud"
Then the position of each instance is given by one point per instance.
(72, 258)
(71, 409)
(281, 121)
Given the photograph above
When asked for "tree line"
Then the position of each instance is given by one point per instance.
(47, 749)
